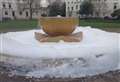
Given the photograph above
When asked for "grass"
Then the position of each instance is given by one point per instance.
(15, 25)
(100, 23)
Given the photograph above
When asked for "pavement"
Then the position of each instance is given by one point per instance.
(7, 76)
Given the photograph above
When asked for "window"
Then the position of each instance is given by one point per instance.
(20, 12)
(76, 6)
(9, 5)
(3, 5)
(26, 14)
(72, 8)
(68, 8)
(13, 13)
(115, 5)
(72, 2)
(6, 13)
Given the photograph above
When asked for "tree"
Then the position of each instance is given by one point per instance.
(63, 9)
(57, 8)
(86, 8)
(30, 5)
(116, 14)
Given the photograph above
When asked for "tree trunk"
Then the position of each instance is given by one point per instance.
(31, 14)
(30, 9)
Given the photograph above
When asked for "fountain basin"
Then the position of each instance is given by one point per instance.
(93, 55)
(55, 26)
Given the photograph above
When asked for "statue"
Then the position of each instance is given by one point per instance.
(44, 7)
(58, 28)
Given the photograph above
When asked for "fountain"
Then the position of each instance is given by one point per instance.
(58, 28)
(67, 51)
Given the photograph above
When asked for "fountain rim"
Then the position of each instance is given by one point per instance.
(59, 17)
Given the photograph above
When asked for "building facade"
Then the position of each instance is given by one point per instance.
(104, 8)
(9, 9)
(73, 7)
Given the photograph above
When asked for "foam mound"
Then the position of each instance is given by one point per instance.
(98, 52)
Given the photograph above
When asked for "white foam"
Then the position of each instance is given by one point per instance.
(99, 49)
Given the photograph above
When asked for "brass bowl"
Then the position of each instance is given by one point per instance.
(55, 26)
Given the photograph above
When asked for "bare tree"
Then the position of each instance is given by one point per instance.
(86, 8)
(57, 8)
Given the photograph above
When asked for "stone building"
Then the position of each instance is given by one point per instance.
(105, 7)
(102, 8)
(9, 9)
(73, 7)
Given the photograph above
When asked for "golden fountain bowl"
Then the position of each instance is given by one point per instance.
(55, 26)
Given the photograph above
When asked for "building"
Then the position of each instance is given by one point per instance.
(0, 15)
(105, 7)
(114, 5)
(23, 10)
(73, 7)
(102, 8)
(9, 9)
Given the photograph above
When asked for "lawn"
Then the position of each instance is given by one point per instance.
(17, 25)
(100, 23)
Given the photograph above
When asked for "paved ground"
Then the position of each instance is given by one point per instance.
(7, 76)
